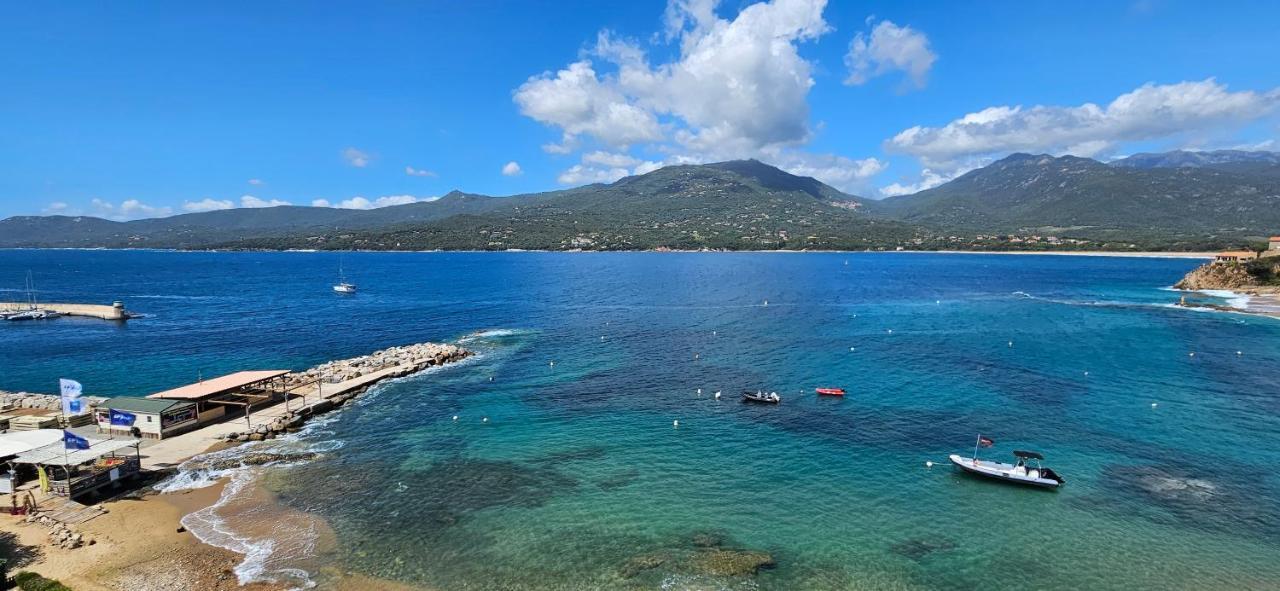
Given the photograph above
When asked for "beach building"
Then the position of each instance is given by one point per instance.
(145, 417)
(14, 443)
(1235, 256)
(230, 396)
(1273, 247)
(97, 463)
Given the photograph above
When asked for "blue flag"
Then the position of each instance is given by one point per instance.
(72, 441)
(120, 418)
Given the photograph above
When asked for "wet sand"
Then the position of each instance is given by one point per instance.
(136, 546)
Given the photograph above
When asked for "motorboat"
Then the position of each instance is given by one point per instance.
(1025, 470)
(761, 397)
(830, 391)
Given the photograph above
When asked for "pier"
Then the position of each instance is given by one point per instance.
(113, 311)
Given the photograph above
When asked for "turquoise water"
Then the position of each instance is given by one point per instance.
(579, 480)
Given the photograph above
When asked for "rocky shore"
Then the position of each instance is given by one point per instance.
(1258, 280)
(38, 401)
(385, 364)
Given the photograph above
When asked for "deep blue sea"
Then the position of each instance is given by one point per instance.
(1164, 421)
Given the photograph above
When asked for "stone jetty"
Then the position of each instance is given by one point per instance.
(331, 385)
(38, 401)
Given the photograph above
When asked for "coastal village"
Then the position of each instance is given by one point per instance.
(62, 468)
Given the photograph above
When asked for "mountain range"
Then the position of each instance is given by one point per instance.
(1173, 200)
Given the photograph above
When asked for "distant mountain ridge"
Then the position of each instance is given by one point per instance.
(1177, 200)
(1084, 197)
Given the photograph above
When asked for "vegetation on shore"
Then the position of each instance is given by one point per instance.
(1023, 202)
(1263, 272)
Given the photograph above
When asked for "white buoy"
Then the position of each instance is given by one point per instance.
(717, 396)
(1086, 373)
(852, 348)
(713, 333)
(1010, 343)
(890, 331)
(1154, 404)
(1191, 354)
(455, 417)
(699, 390)
(928, 464)
(490, 378)
(602, 337)
(484, 420)
(675, 424)
(553, 364)
(1239, 352)
(766, 302)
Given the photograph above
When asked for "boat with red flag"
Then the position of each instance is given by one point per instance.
(830, 391)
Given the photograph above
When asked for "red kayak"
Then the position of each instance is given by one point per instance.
(831, 391)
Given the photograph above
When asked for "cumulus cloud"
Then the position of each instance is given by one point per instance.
(1149, 112)
(57, 207)
(251, 201)
(411, 171)
(889, 48)
(129, 209)
(928, 180)
(360, 202)
(609, 159)
(356, 157)
(511, 169)
(579, 174)
(208, 204)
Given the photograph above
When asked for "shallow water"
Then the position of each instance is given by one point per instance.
(580, 481)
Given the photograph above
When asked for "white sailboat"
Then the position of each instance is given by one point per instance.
(343, 286)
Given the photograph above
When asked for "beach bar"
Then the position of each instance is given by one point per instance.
(75, 472)
(232, 395)
(144, 417)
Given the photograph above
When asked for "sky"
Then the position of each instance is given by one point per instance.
(131, 110)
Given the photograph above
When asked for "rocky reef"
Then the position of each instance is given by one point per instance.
(38, 401)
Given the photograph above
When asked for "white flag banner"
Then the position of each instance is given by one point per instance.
(72, 403)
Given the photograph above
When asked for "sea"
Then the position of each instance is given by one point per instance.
(598, 439)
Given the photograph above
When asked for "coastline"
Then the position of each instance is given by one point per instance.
(1092, 253)
(142, 540)
(1255, 301)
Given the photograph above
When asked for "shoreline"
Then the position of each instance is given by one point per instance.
(141, 541)
(1093, 253)
(1257, 301)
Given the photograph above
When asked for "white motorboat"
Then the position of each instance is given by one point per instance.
(1026, 470)
(33, 315)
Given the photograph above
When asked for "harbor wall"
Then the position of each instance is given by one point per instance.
(108, 312)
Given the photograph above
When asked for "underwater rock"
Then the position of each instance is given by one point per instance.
(638, 564)
(619, 480)
(918, 548)
(721, 562)
(708, 539)
(252, 459)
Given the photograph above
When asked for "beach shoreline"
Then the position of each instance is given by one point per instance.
(1254, 301)
(141, 542)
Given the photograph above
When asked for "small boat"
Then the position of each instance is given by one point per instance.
(762, 397)
(830, 391)
(1020, 472)
(343, 286)
(34, 315)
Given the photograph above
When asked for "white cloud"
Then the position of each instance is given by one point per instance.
(928, 180)
(511, 169)
(251, 201)
(739, 82)
(1147, 113)
(738, 88)
(57, 207)
(208, 204)
(609, 159)
(889, 48)
(411, 171)
(255, 181)
(579, 174)
(129, 209)
(360, 202)
(356, 158)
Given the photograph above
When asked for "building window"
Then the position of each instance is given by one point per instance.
(148, 418)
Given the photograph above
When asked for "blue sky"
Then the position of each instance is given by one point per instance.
(129, 110)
